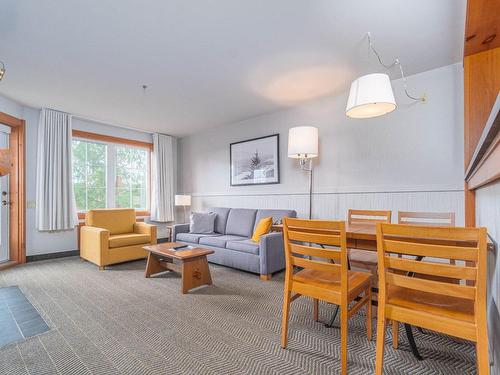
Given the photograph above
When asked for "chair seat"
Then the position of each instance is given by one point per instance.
(435, 304)
(128, 239)
(330, 281)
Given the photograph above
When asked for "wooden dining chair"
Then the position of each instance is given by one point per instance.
(442, 306)
(364, 259)
(322, 279)
(441, 219)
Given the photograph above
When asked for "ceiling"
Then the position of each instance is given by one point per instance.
(213, 62)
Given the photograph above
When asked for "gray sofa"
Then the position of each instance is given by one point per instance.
(232, 242)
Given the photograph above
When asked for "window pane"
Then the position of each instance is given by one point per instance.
(138, 198)
(96, 153)
(96, 198)
(131, 177)
(80, 197)
(89, 174)
(122, 198)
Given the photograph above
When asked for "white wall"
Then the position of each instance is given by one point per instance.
(411, 159)
(488, 215)
(51, 242)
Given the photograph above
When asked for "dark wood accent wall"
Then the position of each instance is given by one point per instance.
(482, 28)
(481, 80)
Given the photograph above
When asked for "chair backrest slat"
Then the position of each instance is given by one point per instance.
(444, 219)
(368, 216)
(315, 251)
(324, 239)
(435, 233)
(431, 286)
(431, 250)
(428, 268)
(447, 243)
(315, 265)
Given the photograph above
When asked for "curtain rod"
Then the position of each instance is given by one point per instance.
(111, 124)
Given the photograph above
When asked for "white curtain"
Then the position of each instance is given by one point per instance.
(55, 202)
(162, 202)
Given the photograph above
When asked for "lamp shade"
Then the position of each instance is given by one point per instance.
(370, 96)
(182, 200)
(303, 142)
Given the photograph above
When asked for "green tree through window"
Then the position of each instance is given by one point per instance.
(89, 174)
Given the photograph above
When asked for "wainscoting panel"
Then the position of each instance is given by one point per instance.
(335, 205)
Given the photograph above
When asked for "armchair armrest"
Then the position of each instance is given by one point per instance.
(94, 243)
(272, 253)
(145, 228)
(179, 228)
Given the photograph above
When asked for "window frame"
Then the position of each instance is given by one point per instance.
(100, 138)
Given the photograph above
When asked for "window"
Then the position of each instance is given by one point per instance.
(109, 174)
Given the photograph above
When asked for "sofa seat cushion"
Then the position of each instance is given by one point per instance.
(245, 246)
(220, 241)
(193, 237)
(129, 239)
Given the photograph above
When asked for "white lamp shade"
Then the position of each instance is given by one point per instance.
(303, 142)
(370, 96)
(182, 200)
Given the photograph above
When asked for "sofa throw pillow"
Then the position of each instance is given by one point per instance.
(202, 223)
(264, 227)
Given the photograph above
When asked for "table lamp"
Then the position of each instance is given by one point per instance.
(183, 200)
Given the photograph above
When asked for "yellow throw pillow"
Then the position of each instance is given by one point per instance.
(264, 227)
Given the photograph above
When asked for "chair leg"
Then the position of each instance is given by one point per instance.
(315, 309)
(369, 314)
(101, 268)
(284, 321)
(343, 337)
(380, 339)
(395, 334)
(483, 363)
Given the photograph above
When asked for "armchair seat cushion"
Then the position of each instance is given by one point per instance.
(246, 246)
(194, 237)
(220, 241)
(128, 239)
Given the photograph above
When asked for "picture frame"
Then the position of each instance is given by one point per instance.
(255, 161)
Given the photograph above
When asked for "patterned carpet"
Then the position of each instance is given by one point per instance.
(118, 322)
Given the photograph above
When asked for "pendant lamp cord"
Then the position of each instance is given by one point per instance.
(396, 62)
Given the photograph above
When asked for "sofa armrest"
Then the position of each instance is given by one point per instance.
(179, 228)
(272, 253)
(94, 243)
(145, 228)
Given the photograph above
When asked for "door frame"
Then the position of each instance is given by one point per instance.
(17, 193)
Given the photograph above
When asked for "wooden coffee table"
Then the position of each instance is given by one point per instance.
(192, 264)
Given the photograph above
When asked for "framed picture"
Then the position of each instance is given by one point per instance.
(255, 161)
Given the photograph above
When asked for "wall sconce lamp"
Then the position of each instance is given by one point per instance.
(303, 145)
(2, 70)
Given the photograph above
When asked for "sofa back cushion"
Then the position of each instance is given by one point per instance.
(275, 214)
(221, 219)
(116, 220)
(240, 222)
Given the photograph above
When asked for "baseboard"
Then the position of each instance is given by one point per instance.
(69, 253)
(60, 254)
(163, 240)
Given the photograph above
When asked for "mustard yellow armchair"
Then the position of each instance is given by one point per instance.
(112, 236)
